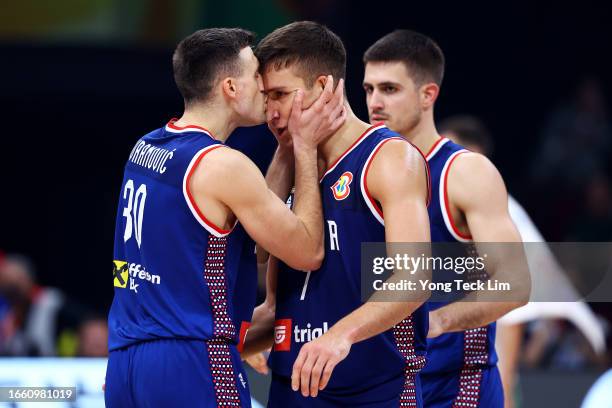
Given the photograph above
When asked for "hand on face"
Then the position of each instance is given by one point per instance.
(309, 127)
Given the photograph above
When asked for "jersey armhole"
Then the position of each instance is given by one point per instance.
(369, 200)
(444, 201)
(191, 203)
(427, 173)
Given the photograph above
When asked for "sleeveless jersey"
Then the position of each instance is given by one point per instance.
(309, 303)
(452, 351)
(175, 274)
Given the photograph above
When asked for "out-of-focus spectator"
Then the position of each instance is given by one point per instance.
(576, 139)
(29, 324)
(93, 338)
(574, 147)
(33, 315)
(594, 222)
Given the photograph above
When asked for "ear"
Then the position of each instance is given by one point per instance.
(320, 82)
(428, 94)
(229, 87)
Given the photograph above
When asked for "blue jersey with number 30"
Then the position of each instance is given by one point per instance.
(176, 275)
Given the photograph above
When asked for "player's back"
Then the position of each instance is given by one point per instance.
(175, 273)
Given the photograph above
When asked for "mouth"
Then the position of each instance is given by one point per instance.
(379, 118)
(282, 132)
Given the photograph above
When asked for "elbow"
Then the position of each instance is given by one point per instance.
(515, 305)
(521, 303)
(317, 259)
(309, 261)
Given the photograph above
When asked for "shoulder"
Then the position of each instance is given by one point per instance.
(474, 181)
(222, 159)
(222, 166)
(394, 148)
(394, 164)
(469, 169)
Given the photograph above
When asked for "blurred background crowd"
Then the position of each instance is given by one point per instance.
(80, 82)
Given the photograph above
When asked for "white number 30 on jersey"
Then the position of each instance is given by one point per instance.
(134, 211)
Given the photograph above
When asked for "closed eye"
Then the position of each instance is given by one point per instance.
(276, 95)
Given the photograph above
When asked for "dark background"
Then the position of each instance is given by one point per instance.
(73, 106)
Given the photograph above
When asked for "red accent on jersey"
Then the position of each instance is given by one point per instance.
(244, 328)
(192, 201)
(433, 147)
(282, 335)
(347, 151)
(365, 177)
(171, 125)
(427, 174)
(447, 205)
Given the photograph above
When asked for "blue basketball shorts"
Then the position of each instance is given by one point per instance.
(472, 387)
(176, 373)
(402, 391)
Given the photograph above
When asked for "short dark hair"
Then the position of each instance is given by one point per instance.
(202, 57)
(314, 48)
(470, 130)
(421, 55)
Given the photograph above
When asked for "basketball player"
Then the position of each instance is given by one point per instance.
(403, 74)
(329, 344)
(183, 299)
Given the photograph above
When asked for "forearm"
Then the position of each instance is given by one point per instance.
(280, 174)
(373, 318)
(462, 315)
(307, 199)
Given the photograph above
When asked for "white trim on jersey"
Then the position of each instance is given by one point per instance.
(203, 222)
(367, 199)
(445, 215)
(187, 129)
(361, 139)
(437, 148)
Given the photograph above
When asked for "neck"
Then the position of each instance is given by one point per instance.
(216, 120)
(332, 148)
(424, 135)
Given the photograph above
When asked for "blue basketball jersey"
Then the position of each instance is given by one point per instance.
(309, 303)
(175, 274)
(452, 351)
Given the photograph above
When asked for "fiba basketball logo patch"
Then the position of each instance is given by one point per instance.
(341, 188)
(282, 335)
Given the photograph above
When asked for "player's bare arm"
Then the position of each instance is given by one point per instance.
(397, 180)
(479, 201)
(226, 186)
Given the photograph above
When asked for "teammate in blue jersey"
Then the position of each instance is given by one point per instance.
(328, 343)
(184, 268)
(403, 75)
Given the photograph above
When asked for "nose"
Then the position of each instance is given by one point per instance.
(375, 102)
(272, 114)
